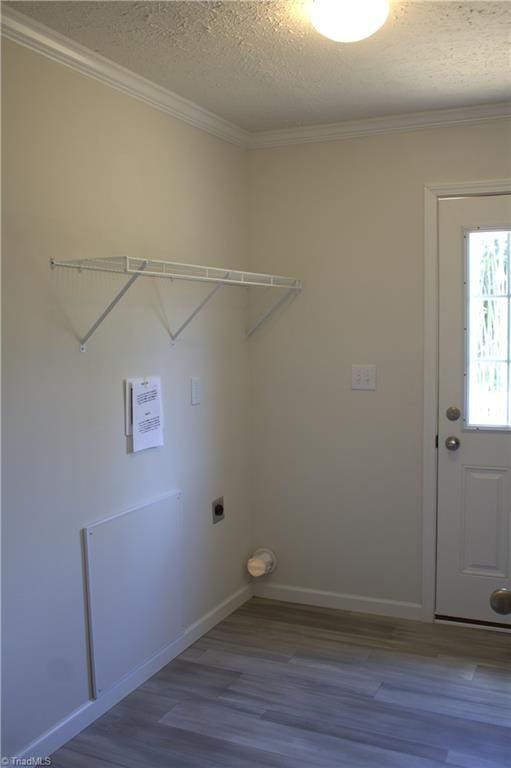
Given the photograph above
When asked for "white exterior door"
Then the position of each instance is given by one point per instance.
(474, 429)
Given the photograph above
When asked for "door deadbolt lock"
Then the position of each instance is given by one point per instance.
(453, 413)
(452, 443)
(500, 601)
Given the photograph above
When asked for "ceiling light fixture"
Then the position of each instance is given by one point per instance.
(347, 21)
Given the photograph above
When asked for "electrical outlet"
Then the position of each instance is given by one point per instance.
(363, 377)
(217, 510)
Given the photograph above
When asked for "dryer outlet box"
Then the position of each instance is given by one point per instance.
(217, 510)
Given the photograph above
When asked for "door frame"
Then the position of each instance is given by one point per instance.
(433, 193)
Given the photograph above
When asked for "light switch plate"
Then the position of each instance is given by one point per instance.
(195, 390)
(363, 377)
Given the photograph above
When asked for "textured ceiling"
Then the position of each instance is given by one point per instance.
(262, 66)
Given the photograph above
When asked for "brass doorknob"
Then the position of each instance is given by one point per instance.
(453, 413)
(452, 443)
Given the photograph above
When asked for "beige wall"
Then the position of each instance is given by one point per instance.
(88, 171)
(337, 473)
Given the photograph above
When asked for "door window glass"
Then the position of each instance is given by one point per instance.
(488, 340)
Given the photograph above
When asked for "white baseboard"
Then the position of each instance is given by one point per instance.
(376, 605)
(76, 721)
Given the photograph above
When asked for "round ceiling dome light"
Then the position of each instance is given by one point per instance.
(347, 21)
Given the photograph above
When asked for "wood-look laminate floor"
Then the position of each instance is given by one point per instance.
(277, 685)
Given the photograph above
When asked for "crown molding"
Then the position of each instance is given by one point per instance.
(412, 121)
(37, 37)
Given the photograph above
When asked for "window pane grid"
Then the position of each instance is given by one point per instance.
(490, 296)
(488, 328)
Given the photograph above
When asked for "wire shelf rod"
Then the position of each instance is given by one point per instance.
(172, 270)
(179, 271)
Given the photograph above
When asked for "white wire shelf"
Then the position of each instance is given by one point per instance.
(173, 270)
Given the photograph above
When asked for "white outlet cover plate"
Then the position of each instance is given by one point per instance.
(195, 390)
(363, 377)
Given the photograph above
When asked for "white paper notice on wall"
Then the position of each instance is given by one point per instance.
(144, 412)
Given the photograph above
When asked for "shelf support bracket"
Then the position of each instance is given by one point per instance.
(271, 309)
(195, 312)
(124, 290)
